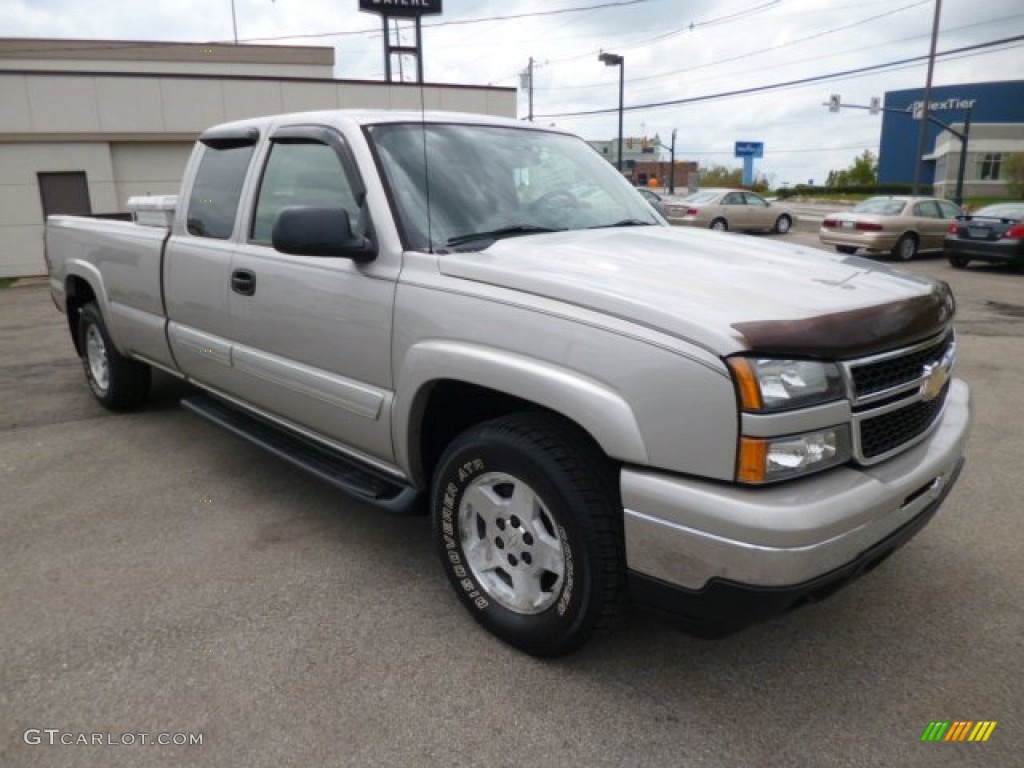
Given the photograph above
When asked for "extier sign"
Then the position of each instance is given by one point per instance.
(748, 150)
(408, 8)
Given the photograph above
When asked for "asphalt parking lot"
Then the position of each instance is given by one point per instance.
(160, 576)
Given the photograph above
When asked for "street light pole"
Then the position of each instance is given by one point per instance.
(614, 60)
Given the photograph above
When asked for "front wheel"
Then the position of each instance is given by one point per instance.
(783, 224)
(906, 248)
(528, 524)
(720, 225)
(117, 382)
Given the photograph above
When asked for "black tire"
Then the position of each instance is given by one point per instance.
(849, 250)
(537, 463)
(783, 224)
(960, 262)
(720, 225)
(117, 382)
(905, 248)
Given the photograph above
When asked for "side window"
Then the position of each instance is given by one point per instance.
(927, 209)
(949, 211)
(753, 199)
(733, 198)
(216, 190)
(301, 173)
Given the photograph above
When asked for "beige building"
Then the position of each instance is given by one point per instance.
(86, 124)
(988, 147)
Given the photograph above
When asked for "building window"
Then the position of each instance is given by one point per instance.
(988, 166)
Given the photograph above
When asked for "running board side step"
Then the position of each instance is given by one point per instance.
(351, 476)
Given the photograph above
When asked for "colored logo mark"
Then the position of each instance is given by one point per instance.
(959, 730)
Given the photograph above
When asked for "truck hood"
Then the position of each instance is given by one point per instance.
(725, 292)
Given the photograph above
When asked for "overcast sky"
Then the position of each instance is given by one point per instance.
(674, 49)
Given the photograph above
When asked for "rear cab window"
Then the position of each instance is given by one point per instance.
(217, 186)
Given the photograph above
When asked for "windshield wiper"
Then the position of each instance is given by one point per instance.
(498, 234)
(625, 223)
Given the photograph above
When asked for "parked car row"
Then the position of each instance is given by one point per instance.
(900, 226)
(905, 226)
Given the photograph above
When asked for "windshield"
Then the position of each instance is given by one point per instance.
(495, 181)
(882, 205)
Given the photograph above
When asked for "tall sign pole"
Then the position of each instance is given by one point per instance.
(413, 10)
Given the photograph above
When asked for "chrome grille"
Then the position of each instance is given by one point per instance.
(898, 396)
(892, 371)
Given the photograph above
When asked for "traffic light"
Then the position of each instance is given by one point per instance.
(834, 102)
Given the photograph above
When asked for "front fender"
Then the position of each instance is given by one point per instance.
(590, 404)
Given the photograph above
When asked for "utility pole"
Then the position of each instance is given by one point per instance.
(922, 135)
(672, 166)
(234, 22)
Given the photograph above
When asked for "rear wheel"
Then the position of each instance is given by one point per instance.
(847, 249)
(906, 248)
(783, 224)
(960, 262)
(528, 524)
(117, 382)
(720, 225)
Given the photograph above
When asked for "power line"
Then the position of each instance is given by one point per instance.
(786, 84)
(687, 28)
(375, 32)
(748, 54)
(459, 22)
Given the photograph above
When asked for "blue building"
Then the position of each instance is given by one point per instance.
(997, 130)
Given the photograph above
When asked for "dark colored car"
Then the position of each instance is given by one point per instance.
(654, 199)
(994, 233)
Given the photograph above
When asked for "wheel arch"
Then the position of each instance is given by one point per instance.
(78, 291)
(447, 387)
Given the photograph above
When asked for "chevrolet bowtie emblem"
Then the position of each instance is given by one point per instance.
(935, 377)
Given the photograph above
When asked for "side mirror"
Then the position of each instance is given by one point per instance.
(308, 230)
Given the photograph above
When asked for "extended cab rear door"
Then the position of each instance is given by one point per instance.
(312, 334)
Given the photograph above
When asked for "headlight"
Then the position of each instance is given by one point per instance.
(767, 459)
(766, 384)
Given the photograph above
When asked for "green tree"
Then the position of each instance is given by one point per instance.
(720, 176)
(863, 172)
(1013, 167)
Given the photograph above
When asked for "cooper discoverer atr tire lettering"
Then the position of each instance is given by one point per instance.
(528, 524)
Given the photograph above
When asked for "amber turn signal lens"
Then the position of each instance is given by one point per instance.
(746, 382)
(752, 461)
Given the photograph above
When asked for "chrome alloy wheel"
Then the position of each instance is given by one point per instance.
(511, 543)
(96, 355)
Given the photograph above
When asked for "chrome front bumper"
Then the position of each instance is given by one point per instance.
(687, 532)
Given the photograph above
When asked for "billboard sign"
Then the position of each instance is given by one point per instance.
(749, 149)
(401, 8)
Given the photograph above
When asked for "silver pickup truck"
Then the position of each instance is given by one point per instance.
(481, 318)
